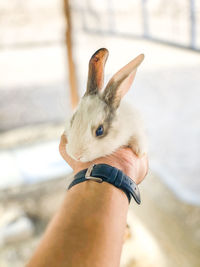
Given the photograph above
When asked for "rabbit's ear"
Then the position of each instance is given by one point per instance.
(96, 71)
(121, 82)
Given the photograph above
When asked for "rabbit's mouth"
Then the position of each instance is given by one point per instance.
(83, 159)
(80, 154)
(76, 157)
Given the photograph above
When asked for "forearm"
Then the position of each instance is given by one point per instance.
(87, 230)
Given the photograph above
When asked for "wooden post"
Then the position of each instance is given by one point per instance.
(74, 97)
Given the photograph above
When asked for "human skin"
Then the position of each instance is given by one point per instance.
(89, 226)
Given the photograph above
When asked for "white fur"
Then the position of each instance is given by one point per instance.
(127, 129)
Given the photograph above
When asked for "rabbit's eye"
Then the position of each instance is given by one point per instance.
(99, 130)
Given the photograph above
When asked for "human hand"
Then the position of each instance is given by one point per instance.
(123, 159)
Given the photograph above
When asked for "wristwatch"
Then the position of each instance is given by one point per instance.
(106, 173)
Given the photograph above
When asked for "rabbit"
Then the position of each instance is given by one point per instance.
(102, 121)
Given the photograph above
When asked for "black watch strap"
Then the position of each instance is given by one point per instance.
(106, 173)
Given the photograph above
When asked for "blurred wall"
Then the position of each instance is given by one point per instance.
(33, 63)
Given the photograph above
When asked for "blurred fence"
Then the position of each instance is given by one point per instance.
(171, 22)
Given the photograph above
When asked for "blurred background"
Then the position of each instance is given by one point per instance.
(45, 47)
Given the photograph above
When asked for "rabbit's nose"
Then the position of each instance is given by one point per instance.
(77, 156)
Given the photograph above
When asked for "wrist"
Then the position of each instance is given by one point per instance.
(109, 174)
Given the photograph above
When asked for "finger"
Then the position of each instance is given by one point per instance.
(63, 139)
(63, 152)
(144, 167)
(62, 146)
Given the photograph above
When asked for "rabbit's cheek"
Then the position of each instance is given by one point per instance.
(69, 151)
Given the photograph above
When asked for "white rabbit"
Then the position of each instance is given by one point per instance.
(102, 122)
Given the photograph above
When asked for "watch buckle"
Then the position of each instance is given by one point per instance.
(89, 177)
